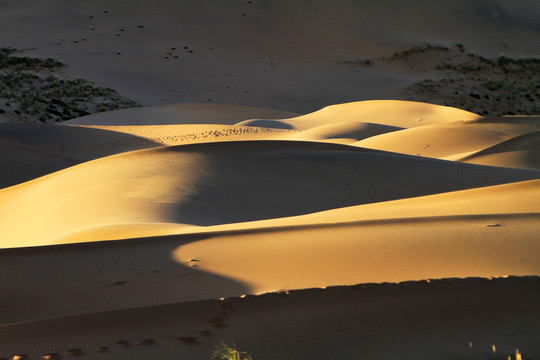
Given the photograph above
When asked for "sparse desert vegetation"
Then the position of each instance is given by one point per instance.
(226, 352)
(500, 86)
(32, 90)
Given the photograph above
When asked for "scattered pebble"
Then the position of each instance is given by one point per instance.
(493, 225)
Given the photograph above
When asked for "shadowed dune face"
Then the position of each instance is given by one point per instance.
(88, 278)
(76, 142)
(21, 163)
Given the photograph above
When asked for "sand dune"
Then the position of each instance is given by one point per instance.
(453, 138)
(269, 193)
(227, 209)
(194, 184)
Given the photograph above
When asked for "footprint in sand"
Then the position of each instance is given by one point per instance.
(206, 333)
(146, 342)
(123, 343)
(74, 352)
(20, 357)
(51, 356)
(188, 341)
(218, 323)
(103, 349)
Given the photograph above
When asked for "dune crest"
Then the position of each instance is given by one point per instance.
(399, 113)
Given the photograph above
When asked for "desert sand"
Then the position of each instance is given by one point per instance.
(278, 190)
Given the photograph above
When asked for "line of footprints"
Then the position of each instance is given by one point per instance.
(217, 322)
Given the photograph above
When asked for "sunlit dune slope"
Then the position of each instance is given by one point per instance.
(228, 182)
(180, 114)
(20, 163)
(520, 152)
(451, 138)
(405, 114)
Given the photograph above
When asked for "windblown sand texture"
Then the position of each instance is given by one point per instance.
(387, 229)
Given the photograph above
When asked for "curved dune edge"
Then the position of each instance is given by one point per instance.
(349, 254)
